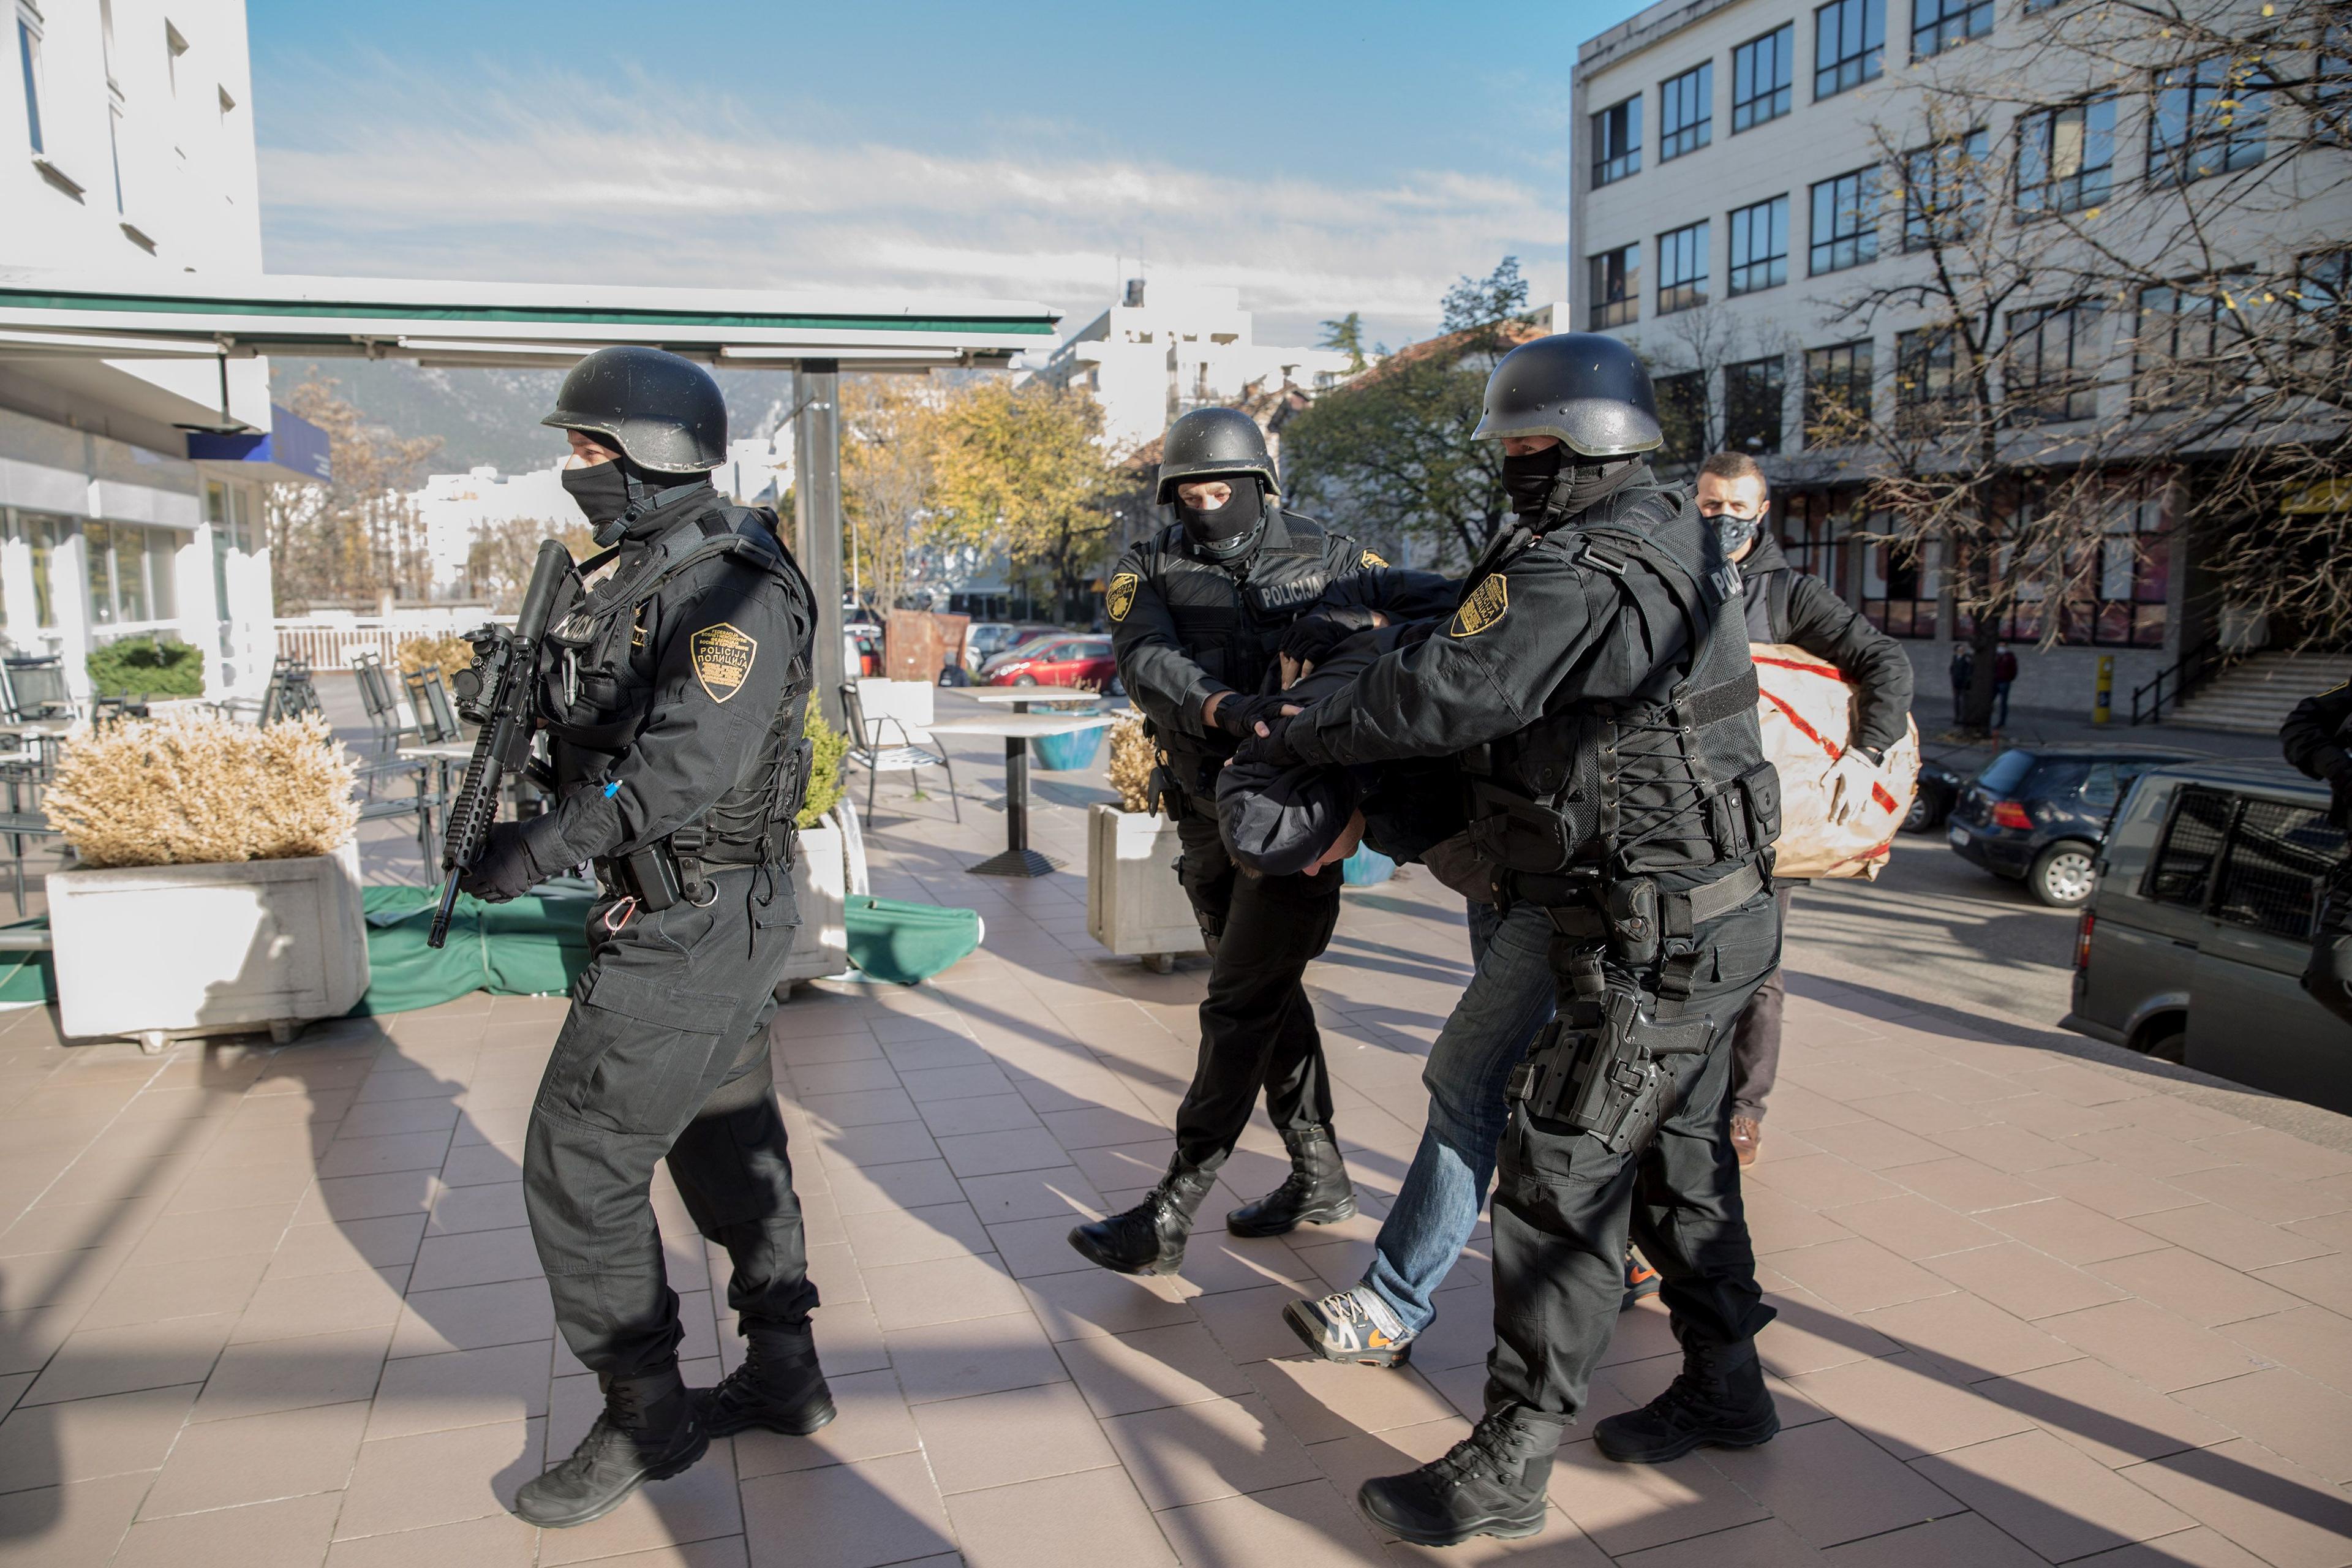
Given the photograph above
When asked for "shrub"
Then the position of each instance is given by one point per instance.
(1132, 759)
(827, 746)
(142, 667)
(447, 655)
(193, 788)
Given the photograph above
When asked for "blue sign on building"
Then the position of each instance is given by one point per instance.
(292, 447)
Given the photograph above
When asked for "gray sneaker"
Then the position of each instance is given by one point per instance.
(1351, 1325)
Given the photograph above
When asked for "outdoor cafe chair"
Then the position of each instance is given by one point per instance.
(436, 714)
(873, 747)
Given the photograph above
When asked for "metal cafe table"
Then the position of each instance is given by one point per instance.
(1017, 729)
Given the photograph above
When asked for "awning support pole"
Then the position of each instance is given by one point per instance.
(817, 492)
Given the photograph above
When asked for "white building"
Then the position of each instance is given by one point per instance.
(131, 488)
(454, 508)
(1169, 348)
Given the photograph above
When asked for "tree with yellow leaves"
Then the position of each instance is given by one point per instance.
(890, 435)
(1023, 469)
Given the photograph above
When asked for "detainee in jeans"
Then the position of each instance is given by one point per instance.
(1510, 998)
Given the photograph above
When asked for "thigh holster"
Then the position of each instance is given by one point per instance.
(1599, 1066)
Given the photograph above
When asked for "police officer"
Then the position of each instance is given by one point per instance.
(1198, 612)
(674, 701)
(1596, 685)
(2317, 739)
(1785, 605)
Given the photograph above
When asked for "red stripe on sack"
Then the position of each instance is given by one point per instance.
(1829, 670)
(1878, 793)
(1802, 728)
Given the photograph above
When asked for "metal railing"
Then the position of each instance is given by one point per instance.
(2176, 680)
(330, 642)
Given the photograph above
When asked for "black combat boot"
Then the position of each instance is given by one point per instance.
(1490, 1483)
(648, 1431)
(1718, 1400)
(1149, 1237)
(779, 1388)
(1317, 1191)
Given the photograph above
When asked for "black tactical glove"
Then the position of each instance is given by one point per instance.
(1311, 637)
(1273, 748)
(504, 869)
(1231, 716)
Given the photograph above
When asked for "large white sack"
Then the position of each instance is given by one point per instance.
(1805, 708)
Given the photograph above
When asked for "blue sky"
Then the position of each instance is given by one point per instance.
(1321, 157)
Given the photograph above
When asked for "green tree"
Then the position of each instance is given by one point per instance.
(1023, 469)
(360, 537)
(1485, 303)
(1346, 335)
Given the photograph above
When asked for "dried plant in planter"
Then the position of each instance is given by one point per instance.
(1131, 761)
(449, 655)
(196, 788)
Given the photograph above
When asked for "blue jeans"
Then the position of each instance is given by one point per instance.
(1510, 998)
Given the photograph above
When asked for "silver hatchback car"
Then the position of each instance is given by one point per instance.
(2193, 947)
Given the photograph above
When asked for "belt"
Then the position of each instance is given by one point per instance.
(1681, 913)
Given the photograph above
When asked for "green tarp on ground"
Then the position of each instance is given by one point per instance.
(908, 943)
(533, 946)
(26, 978)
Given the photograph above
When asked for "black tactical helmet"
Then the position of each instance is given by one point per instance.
(664, 413)
(1586, 388)
(1212, 442)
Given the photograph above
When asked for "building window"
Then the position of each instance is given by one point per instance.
(2323, 285)
(1938, 25)
(2052, 361)
(1616, 286)
(1753, 393)
(41, 534)
(28, 55)
(1943, 191)
(1900, 584)
(162, 566)
(2332, 97)
(1759, 246)
(1837, 393)
(2132, 578)
(1617, 141)
(1926, 379)
(1812, 537)
(98, 558)
(1682, 268)
(1681, 417)
(1845, 222)
(1760, 78)
(2211, 118)
(1686, 112)
(1849, 44)
(2065, 156)
(2180, 342)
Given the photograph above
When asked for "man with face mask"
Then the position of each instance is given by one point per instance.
(673, 692)
(1596, 687)
(1198, 613)
(1785, 605)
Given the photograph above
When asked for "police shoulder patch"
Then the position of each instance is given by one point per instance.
(1488, 603)
(1120, 596)
(722, 656)
(1372, 558)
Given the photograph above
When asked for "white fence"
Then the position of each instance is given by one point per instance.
(328, 642)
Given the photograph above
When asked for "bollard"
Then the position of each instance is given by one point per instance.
(2104, 702)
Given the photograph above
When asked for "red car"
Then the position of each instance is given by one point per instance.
(1065, 659)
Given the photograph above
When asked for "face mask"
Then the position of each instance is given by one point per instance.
(1734, 531)
(1528, 478)
(603, 491)
(1230, 530)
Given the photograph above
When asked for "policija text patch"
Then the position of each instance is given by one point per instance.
(723, 658)
(1488, 603)
(1121, 595)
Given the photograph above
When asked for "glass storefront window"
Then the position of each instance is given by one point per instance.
(98, 555)
(41, 536)
(162, 556)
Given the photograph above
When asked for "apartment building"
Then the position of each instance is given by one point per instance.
(1747, 172)
(131, 487)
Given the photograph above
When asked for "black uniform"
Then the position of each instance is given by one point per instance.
(1785, 605)
(674, 708)
(1598, 691)
(1186, 628)
(2317, 739)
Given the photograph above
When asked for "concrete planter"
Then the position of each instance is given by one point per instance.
(162, 952)
(1134, 903)
(820, 885)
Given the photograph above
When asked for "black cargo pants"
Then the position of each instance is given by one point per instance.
(2328, 977)
(664, 1055)
(1565, 1203)
(1257, 1026)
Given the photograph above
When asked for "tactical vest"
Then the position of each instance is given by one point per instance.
(1669, 783)
(752, 823)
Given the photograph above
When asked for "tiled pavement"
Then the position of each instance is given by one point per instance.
(279, 1308)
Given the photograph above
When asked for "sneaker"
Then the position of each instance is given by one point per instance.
(1352, 1325)
(1641, 1279)
(1747, 1134)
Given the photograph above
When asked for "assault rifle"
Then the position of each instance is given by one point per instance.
(499, 692)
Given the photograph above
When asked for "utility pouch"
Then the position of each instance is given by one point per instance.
(653, 877)
(1515, 832)
(1597, 1069)
(1760, 790)
(1630, 905)
(1161, 795)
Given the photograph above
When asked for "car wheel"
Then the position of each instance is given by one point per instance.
(1024, 681)
(2167, 1041)
(1923, 816)
(2062, 876)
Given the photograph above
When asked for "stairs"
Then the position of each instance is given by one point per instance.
(2253, 696)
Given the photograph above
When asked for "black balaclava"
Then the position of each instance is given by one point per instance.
(1229, 532)
(613, 495)
(1528, 478)
(1547, 486)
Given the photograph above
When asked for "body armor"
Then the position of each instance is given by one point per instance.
(598, 684)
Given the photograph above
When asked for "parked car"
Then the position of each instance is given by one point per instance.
(1066, 658)
(986, 640)
(1939, 786)
(861, 648)
(2193, 947)
(2039, 813)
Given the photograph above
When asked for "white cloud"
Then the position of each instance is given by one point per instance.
(559, 180)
